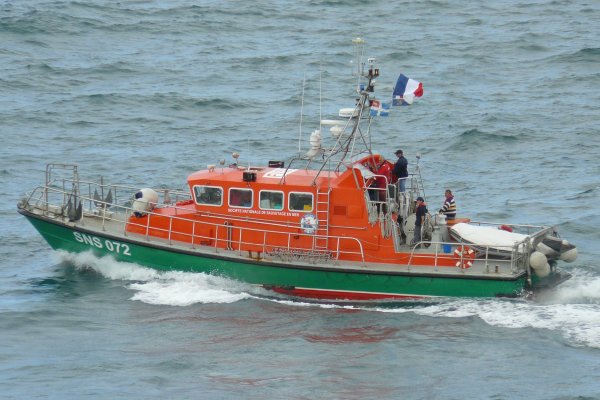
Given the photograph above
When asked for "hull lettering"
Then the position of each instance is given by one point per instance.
(109, 245)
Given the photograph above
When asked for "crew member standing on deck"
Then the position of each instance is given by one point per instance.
(401, 170)
(384, 171)
(420, 212)
(449, 207)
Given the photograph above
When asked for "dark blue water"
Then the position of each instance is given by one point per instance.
(145, 92)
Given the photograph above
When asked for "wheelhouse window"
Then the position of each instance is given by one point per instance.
(208, 195)
(270, 200)
(240, 197)
(301, 201)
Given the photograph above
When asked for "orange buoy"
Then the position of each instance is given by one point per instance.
(505, 228)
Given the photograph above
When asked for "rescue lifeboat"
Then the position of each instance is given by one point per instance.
(328, 224)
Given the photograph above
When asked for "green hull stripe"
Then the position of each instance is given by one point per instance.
(61, 237)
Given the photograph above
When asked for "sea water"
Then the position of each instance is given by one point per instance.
(146, 92)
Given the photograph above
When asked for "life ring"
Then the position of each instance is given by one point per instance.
(371, 162)
(308, 223)
(464, 256)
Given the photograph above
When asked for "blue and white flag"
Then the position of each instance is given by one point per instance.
(406, 90)
(379, 108)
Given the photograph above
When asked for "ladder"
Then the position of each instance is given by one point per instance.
(322, 214)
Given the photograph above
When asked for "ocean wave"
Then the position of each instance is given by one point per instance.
(19, 84)
(572, 308)
(575, 315)
(363, 334)
(582, 288)
(335, 3)
(21, 25)
(256, 61)
(585, 194)
(45, 22)
(585, 227)
(119, 67)
(75, 18)
(532, 47)
(105, 69)
(476, 134)
(477, 139)
(37, 43)
(165, 288)
(584, 55)
(81, 124)
(177, 290)
(173, 101)
(588, 54)
(158, 18)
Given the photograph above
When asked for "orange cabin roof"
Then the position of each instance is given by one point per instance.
(266, 177)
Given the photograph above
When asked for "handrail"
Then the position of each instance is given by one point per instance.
(41, 198)
(517, 252)
(125, 212)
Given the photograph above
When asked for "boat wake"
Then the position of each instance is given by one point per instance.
(158, 287)
(582, 288)
(572, 309)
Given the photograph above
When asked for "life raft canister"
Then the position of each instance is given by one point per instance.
(464, 256)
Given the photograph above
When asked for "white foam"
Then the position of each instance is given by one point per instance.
(582, 287)
(573, 309)
(184, 289)
(166, 288)
(578, 323)
(108, 266)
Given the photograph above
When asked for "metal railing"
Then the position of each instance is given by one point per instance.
(52, 199)
(116, 218)
(516, 258)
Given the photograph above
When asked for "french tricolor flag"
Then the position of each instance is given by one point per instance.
(406, 90)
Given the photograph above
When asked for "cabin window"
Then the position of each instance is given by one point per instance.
(301, 201)
(270, 200)
(240, 197)
(208, 195)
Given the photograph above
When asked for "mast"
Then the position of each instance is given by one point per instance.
(352, 132)
(353, 138)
